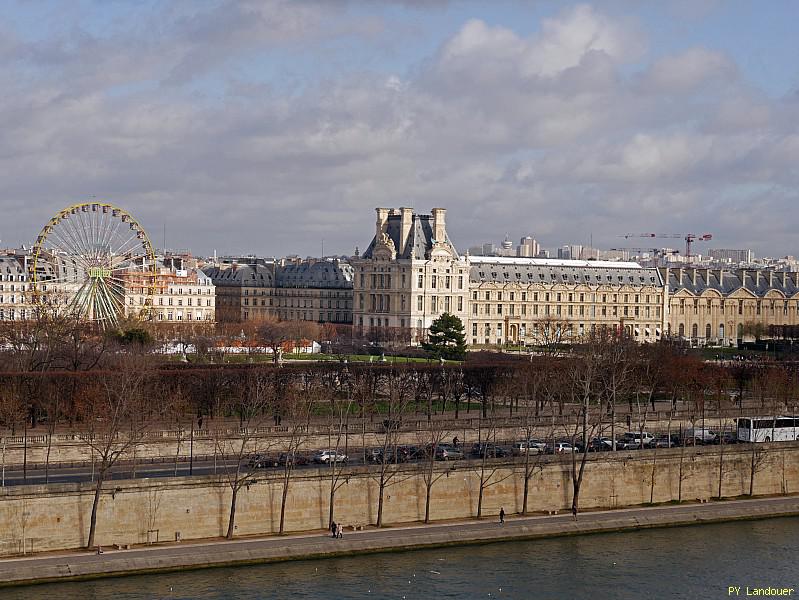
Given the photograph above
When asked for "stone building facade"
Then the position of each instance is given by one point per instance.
(312, 290)
(317, 290)
(408, 276)
(542, 301)
(724, 307)
(182, 295)
(14, 287)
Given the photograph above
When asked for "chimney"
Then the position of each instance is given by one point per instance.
(439, 224)
(721, 278)
(406, 220)
(693, 276)
(742, 277)
(681, 272)
(707, 277)
(770, 278)
(784, 279)
(382, 220)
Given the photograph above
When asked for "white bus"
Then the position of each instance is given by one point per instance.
(768, 429)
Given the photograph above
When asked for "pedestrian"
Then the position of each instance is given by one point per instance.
(333, 528)
(455, 441)
(339, 530)
(501, 515)
(574, 512)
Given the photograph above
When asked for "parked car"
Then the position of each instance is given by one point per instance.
(528, 446)
(624, 443)
(406, 453)
(559, 448)
(600, 444)
(260, 461)
(374, 455)
(446, 452)
(701, 435)
(728, 437)
(326, 456)
(291, 458)
(641, 438)
(665, 441)
(489, 450)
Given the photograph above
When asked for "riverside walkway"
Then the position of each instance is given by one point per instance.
(214, 553)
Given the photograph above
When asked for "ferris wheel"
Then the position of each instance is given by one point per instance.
(94, 261)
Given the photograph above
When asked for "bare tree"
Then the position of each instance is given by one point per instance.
(490, 472)
(431, 436)
(274, 334)
(116, 413)
(551, 334)
(536, 382)
(253, 405)
(398, 390)
(338, 420)
(586, 390)
(297, 403)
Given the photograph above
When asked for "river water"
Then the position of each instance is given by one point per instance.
(685, 562)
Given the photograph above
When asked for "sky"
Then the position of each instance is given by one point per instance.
(275, 127)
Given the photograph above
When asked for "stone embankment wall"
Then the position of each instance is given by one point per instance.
(138, 511)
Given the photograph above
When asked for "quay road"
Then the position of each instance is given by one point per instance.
(13, 475)
(78, 474)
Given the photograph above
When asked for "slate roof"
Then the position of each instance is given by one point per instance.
(241, 275)
(11, 265)
(542, 271)
(420, 238)
(321, 274)
(728, 281)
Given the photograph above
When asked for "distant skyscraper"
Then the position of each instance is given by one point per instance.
(734, 256)
(528, 247)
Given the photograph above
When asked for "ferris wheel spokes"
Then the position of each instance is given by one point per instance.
(85, 253)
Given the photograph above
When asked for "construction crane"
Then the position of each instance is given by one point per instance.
(653, 251)
(690, 238)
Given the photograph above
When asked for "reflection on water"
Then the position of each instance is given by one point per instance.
(688, 562)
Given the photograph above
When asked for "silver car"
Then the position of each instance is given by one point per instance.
(328, 456)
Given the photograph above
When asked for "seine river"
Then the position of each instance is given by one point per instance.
(688, 562)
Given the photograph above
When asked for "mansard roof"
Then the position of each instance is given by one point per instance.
(758, 282)
(320, 274)
(420, 238)
(241, 275)
(543, 271)
(11, 264)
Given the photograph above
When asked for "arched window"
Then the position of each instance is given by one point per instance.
(708, 331)
(682, 330)
(740, 331)
(695, 331)
(721, 331)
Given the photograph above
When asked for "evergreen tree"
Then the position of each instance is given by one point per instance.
(447, 338)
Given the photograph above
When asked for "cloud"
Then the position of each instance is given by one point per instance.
(563, 132)
(688, 70)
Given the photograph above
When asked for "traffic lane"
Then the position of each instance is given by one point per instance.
(76, 475)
